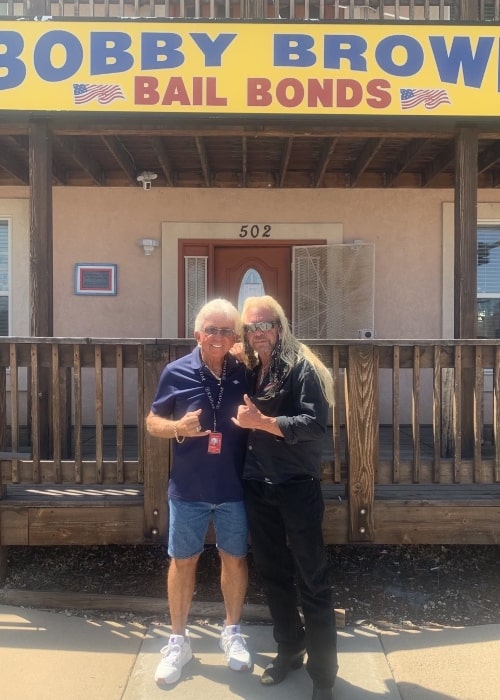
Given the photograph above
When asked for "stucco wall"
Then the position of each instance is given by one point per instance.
(104, 225)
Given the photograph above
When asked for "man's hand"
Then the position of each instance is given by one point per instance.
(189, 424)
(248, 415)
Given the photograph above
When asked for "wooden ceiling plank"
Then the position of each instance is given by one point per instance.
(122, 156)
(489, 158)
(285, 160)
(11, 164)
(161, 153)
(326, 156)
(202, 153)
(404, 159)
(81, 156)
(444, 158)
(366, 156)
(58, 174)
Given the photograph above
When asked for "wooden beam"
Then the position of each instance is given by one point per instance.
(465, 303)
(326, 155)
(404, 159)
(391, 128)
(41, 258)
(366, 156)
(443, 160)
(80, 155)
(465, 296)
(202, 153)
(285, 159)
(244, 161)
(122, 156)
(164, 159)
(362, 437)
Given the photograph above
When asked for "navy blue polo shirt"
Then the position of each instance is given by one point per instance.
(197, 475)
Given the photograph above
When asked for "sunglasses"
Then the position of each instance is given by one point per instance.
(261, 326)
(224, 332)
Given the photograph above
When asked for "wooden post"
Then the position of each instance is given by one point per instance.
(156, 452)
(362, 438)
(41, 258)
(3, 487)
(465, 293)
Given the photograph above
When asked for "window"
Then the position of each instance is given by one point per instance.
(251, 286)
(195, 270)
(4, 277)
(488, 282)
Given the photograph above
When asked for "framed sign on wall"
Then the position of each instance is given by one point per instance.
(95, 278)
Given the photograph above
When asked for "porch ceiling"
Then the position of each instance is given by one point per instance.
(237, 152)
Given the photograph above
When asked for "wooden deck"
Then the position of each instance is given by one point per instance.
(63, 481)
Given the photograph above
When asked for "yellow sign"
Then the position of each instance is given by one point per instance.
(234, 68)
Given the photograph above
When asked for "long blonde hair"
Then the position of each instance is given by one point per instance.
(292, 349)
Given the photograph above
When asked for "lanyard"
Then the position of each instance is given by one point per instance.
(214, 404)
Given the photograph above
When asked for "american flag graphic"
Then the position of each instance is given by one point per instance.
(430, 99)
(104, 94)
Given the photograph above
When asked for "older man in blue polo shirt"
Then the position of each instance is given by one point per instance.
(194, 402)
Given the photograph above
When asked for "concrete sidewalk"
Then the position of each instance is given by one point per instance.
(54, 656)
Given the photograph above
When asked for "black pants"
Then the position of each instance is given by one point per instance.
(285, 522)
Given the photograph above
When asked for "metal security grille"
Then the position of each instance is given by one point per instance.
(333, 291)
(196, 289)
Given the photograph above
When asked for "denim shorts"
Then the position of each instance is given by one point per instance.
(189, 521)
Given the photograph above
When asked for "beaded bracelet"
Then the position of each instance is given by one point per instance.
(177, 439)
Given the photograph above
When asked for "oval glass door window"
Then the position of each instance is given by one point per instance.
(251, 286)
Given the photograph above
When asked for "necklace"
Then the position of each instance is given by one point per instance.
(214, 402)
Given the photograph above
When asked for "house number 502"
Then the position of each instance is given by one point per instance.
(255, 231)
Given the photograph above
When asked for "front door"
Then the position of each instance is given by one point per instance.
(252, 270)
(233, 270)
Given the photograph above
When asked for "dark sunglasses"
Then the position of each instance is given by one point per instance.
(224, 332)
(261, 326)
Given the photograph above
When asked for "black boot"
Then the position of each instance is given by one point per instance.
(278, 669)
(322, 693)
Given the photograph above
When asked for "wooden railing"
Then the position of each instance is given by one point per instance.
(406, 402)
(362, 10)
(415, 423)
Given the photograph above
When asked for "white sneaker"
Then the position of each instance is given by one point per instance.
(174, 655)
(233, 645)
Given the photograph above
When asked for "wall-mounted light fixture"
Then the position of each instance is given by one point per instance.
(148, 245)
(146, 178)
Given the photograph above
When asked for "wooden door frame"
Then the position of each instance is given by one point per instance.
(209, 245)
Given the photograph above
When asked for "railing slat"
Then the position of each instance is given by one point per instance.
(396, 418)
(478, 413)
(77, 393)
(457, 414)
(436, 414)
(119, 414)
(14, 409)
(415, 412)
(99, 414)
(56, 413)
(35, 413)
(141, 413)
(337, 454)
